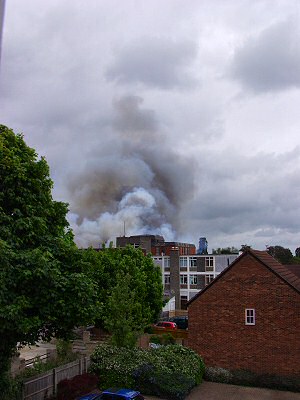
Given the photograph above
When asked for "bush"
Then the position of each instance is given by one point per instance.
(13, 388)
(164, 339)
(169, 371)
(167, 385)
(249, 378)
(69, 389)
(217, 374)
(148, 329)
(64, 349)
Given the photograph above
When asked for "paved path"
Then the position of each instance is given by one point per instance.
(220, 391)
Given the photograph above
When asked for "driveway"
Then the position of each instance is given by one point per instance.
(220, 391)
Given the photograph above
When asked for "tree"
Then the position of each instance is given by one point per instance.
(225, 250)
(130, 286)
(125, 318)
(44, 291)
(281, 254)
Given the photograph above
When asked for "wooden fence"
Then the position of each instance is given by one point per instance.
(31, 361)
(45, 385)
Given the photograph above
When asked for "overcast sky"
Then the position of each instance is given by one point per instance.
(175, 117)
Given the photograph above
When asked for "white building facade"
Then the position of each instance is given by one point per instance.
(185, 276)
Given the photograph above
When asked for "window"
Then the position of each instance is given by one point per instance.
(193, 279)
(208, 279)
(250, 316)
(193, 261)
(167, 279)
(209, 263)
(183, 261)
(183, 279)
(167, 261)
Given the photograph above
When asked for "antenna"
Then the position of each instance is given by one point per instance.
(124, 228)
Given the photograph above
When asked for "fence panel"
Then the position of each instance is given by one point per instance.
(45, 385)
(39, 388)
(68, 371)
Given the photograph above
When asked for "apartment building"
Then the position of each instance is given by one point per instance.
(186, 275)
(185, 271)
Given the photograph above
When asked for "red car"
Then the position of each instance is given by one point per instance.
(166, 325)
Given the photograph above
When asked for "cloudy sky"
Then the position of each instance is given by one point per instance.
(175, 117)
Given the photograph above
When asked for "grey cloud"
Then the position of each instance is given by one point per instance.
(246, 194)
(155, 62)
(270, 61)
(139, 179)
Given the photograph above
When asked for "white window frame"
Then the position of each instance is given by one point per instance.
(208, 278)
(193, 261)
(167, 262)
(250, 316)
(167, 279)
(209, 264)
(193, 279)
(183, 261)
(183, 279)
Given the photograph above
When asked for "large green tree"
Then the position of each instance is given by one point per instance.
(131, 290)
(282, 254)
(225, 250)
(43, 288)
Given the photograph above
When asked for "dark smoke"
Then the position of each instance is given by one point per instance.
(133, 176)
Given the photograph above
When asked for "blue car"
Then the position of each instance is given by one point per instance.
(114, 394)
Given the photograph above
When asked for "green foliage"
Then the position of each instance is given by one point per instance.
(170, 385)
(11, 387)
(217, 374)
(225, 250)
(130, 287)
(44, 290)
(63, 348)
(283, 255)
(249, 378)
(169, 371)
(125, 319)
(164, 339)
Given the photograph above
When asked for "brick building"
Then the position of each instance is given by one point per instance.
(155, 244)
(249, 317)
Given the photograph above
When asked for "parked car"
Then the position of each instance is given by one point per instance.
(168, 325)
(181, 321)
(114, 394)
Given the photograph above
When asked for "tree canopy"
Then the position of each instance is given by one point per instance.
(130, 287)
(281, 254)
(225, 250)
(44, 290)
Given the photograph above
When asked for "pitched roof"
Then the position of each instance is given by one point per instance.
(295, 268)
(282, 270)
(286, 272)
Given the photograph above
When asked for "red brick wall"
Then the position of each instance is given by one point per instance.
(217, 329)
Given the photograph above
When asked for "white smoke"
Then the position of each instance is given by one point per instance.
(132, 176)
(136, 211)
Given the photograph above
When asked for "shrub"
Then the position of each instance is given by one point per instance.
(217, 374)
(157, 339)
(168, 371)
(249, 378)
(69, 389)
(171, 386)
(12, 388)
(148, 329)
(64, 349)
(167, 338)
(164, 339)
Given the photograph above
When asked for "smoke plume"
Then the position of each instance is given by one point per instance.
(133, 178)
